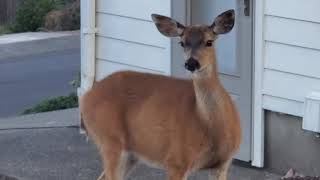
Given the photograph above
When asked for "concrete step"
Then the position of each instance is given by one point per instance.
(53, 119)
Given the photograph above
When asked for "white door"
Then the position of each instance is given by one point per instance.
(234, 53)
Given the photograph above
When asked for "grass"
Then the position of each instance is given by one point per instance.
(53, 104)
(4, 29)
(57, 103)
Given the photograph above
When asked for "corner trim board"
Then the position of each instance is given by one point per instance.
(258, 112)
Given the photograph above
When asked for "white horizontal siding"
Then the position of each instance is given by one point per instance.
(291, 54)
(307, 10)
(292, 59)
(127, 39)
(139, 55)
(292, 32)
(282, 105)
(130, 29)
(105, 68)
(141, 9)
(289, 86)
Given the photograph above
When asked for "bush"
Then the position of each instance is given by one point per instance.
(66, 18)
(5, 29)
(53, 104)
(31, 14)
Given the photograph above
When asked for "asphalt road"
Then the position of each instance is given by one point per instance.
(26, 80)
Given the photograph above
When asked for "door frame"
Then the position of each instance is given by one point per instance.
(258, 66)
(181, 11)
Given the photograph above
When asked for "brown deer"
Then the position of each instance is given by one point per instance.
(179, 125)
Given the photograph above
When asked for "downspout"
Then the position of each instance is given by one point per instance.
(88, 35)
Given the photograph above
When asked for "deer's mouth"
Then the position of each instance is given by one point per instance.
(192, 65)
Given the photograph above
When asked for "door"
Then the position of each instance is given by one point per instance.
(234, 56)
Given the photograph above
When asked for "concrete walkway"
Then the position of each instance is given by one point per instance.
(34, 36)
(47, 146)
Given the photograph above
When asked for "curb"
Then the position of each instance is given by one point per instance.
(53, 119)
(38, 46)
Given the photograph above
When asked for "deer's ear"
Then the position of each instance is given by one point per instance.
(168, 26)
(224, 22)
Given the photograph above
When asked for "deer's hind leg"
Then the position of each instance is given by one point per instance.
(221, 173)
(118, 166)
(107, 131)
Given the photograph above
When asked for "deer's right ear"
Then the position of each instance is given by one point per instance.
(168, 26)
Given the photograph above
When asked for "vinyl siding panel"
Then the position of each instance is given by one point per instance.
(289, 86)
(283, 105)
(292, 59)
(141, 9)
(129, 29)
(105, 68)
(291, 55)
(292, 32)
(306, 10)
(127, 39)
(108, 49)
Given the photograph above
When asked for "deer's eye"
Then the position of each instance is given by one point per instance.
(181, 44)
(209, 43)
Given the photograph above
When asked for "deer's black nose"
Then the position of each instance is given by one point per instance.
(192, 65)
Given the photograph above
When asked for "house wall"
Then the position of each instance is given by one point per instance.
(291, 54)
(119, 43)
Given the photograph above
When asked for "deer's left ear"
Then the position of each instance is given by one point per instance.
(168, 26)
(224, 22)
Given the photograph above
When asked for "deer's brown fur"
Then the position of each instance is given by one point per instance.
(179, 125)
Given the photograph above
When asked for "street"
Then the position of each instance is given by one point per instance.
(26, 80)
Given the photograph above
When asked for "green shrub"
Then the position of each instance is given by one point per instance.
(5, 29)
(53, 104)
(30, 16)
(77, 81)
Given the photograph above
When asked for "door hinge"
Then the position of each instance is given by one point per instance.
(246, 7)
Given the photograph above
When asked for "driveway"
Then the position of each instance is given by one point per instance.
(36, 70)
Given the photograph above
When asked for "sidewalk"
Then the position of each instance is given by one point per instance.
(21, 44)
(34, 36)
(47, 146)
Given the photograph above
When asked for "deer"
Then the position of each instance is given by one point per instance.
(179, 125)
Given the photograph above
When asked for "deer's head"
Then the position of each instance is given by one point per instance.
(198, 40)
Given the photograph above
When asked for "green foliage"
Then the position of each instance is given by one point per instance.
(5, 29)
(76, 82)
(30, 16)
(75, 13)
(58, 103)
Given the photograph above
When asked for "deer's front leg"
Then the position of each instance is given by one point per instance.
(221, 173)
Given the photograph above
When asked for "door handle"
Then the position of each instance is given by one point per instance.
(246, 7)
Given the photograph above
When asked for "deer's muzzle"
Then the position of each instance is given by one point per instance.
(192, 65)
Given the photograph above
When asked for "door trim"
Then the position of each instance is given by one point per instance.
(258, 112)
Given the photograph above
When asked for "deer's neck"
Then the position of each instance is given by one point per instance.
(209, 92)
